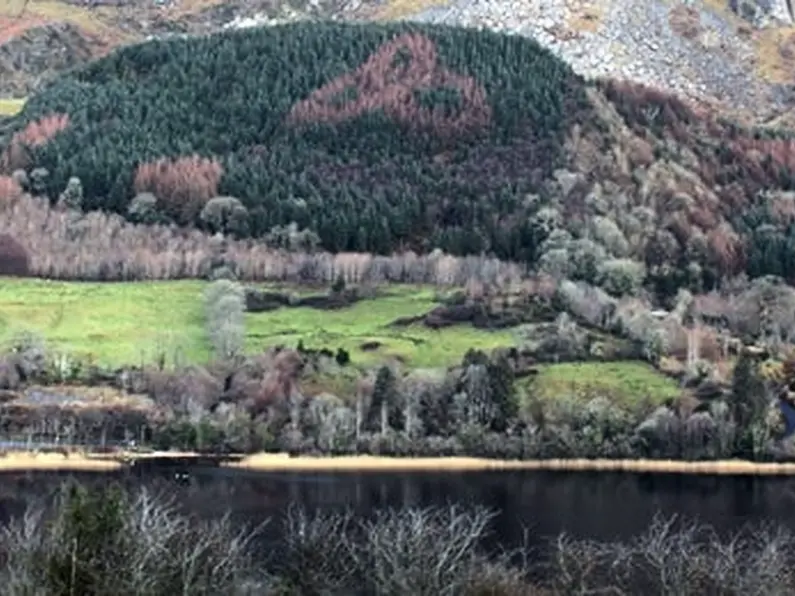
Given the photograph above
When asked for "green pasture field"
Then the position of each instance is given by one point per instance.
(130, 323)
(9, 107)
(622, 382)
(134, 323)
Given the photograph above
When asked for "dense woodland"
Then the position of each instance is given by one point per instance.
(432, 139)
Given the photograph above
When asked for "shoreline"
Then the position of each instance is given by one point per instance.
(20, 461)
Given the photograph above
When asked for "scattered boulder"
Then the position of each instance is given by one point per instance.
(42, 51)
(763, 13)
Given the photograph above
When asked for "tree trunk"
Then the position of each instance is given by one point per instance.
(384, 417)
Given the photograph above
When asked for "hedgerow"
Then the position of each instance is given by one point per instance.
(375, 137)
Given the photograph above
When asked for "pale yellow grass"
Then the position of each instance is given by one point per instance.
(9, 107)
(91, 21)
(775, 54)
(78, 462)
(398, 9)
(12, 8)
(587, 16)
(275, 462)
(187, 7)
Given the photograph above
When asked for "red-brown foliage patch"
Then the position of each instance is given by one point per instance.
(13, 257)
(16, 26)
(781, 152)
(726, 248)
(386, 81)
(9, 189)
(34, 134)
(643, 107)
(182, 186)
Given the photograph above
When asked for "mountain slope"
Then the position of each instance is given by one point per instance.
(377, 138)
(373, 136)
(737, 54)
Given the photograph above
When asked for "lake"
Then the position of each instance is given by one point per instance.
(597, 505)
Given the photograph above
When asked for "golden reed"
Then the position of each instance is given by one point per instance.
(80, 461)
(270, 462)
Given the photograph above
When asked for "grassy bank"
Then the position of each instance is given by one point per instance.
(54, 462)
(125, 323)
(274, 462)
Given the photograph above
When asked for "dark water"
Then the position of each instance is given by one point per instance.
(603, 506)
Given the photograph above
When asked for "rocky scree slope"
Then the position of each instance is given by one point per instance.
(737, 54)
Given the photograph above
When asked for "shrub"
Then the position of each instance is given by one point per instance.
(14, 258)
(103, 541)
(39, 179)
(72, 196)
(621, 277)
(36, 134)
(142, 208)
(608, 234)
(21, 178)
(342, 357)
(225, 214)
(225, 307)
(10, 189)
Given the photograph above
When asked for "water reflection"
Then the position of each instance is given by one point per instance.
(591, 505)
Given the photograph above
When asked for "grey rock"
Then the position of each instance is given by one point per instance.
(763, 13)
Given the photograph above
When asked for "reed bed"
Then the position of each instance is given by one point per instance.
(273, 462)
(270, 462)
(51, 462)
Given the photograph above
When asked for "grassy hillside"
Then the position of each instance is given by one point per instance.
(125, 323)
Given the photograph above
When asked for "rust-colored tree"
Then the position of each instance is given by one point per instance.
(726, 249)
(17, 154)
(13, 257)
(390, 80)
(9, 189)
(182, 186)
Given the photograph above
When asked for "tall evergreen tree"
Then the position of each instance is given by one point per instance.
(747, 402)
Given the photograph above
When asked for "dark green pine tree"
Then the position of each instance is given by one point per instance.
(503, 393)
(384, 403)
(746, 402)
